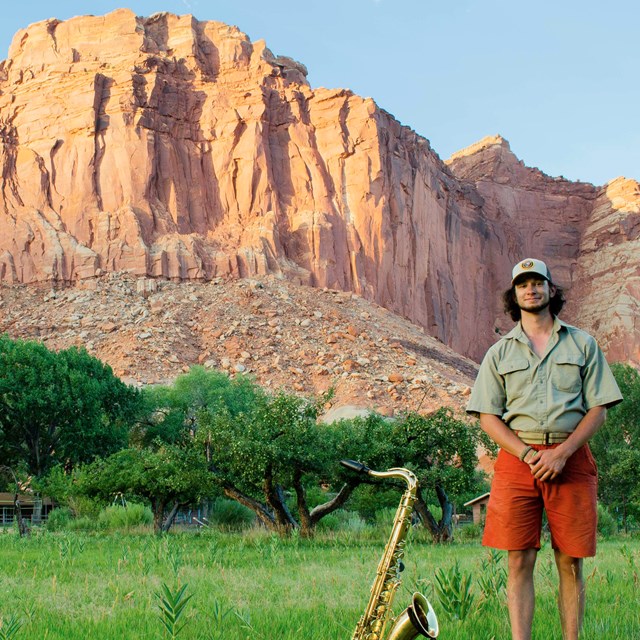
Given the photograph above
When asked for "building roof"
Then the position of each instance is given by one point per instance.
(483, 497)
(6, 499)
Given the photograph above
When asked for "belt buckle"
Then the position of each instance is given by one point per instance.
(546, 438)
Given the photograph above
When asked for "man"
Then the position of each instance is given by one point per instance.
(541, 393)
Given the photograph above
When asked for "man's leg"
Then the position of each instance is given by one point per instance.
(571, 594)
(520, 592)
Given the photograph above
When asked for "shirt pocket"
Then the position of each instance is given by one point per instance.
(566, 372)
(516, 376)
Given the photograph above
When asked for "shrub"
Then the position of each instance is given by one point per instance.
(59, 519)
(384, 518)
(468, 532)
(330, 522)
(354, 523)
(607, 525)
(230, 514)
(120, 517)
(84, 523)
(341, 520)
(83, 506)
(368, 499)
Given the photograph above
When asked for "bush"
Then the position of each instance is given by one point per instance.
(121, 517)
(84, 507)
(384, 518)
(607, 525)
(330, 522)
(353, 523)
(84, 523)
(368, 499)
(59, 518)
(230, 514)
(341, 520)
(468, 532)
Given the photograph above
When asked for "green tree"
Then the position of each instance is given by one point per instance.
(65, 407)
(169, 477)
(278, 450)
(616, 448)
(442, 450)
(171, 411)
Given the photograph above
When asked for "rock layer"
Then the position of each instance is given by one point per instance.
(178, 149)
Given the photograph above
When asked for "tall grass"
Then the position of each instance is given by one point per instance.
(73, 585)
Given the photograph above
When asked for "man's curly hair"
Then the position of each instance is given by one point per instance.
(511, 306)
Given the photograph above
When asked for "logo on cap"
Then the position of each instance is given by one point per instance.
(527, 264)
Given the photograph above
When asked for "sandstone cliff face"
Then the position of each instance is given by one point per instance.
(173, 148)
(606, 291)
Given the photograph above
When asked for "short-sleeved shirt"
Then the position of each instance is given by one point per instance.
(548, 394)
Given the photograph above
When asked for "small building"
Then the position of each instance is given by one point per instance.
(34, 508)
(477, 505)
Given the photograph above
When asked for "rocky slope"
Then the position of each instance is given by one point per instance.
(179, 150)
(285, 335)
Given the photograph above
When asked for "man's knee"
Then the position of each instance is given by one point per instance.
(568, 565)
(522, 561)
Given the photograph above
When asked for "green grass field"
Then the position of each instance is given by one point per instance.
(72, 586)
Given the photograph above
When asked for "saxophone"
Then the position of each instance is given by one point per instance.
(419, 618)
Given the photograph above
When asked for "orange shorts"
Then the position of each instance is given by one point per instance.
(514, 512)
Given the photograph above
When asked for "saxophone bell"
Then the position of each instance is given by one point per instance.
(418, 619)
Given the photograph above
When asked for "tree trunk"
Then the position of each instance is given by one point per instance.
(23, 528)
(158, 513)
(274, 497)
(306, 525)
(290, 521)
(441, 531)
(262, 513)
(168, 521)
(320, 511)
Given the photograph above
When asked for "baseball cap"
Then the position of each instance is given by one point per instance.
(529, 266)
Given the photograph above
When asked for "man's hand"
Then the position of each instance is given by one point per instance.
(547, 465)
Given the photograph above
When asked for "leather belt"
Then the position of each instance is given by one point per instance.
(542, 437)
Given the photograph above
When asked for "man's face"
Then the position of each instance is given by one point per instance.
(533, 293)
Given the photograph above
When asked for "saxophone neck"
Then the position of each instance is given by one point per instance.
(397, 472)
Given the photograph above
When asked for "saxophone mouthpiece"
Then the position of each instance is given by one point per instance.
(355, 466)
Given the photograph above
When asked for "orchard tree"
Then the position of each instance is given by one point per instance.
(65, 407)
(169, 477)
(260, 449)
(442, 451)
(280, 449)
(616, 447)
(171, 411)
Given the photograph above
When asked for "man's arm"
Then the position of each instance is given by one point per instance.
(504, 437)
(549, 463)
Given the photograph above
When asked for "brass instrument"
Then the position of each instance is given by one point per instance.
(419, 618)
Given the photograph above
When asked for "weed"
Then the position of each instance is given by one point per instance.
(9, 628)
(172, 606)
(454, 592)
(219, 616)
(493, 577)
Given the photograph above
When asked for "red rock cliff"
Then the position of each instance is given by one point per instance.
(175, 148)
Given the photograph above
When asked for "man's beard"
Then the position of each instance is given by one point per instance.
(538, 308)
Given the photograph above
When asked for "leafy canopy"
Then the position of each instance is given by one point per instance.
(59, 408)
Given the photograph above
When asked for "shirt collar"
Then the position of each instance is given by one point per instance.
(517, 333)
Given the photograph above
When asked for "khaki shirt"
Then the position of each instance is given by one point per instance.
(551, 393)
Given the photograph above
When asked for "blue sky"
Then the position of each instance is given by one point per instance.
(557, 78)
